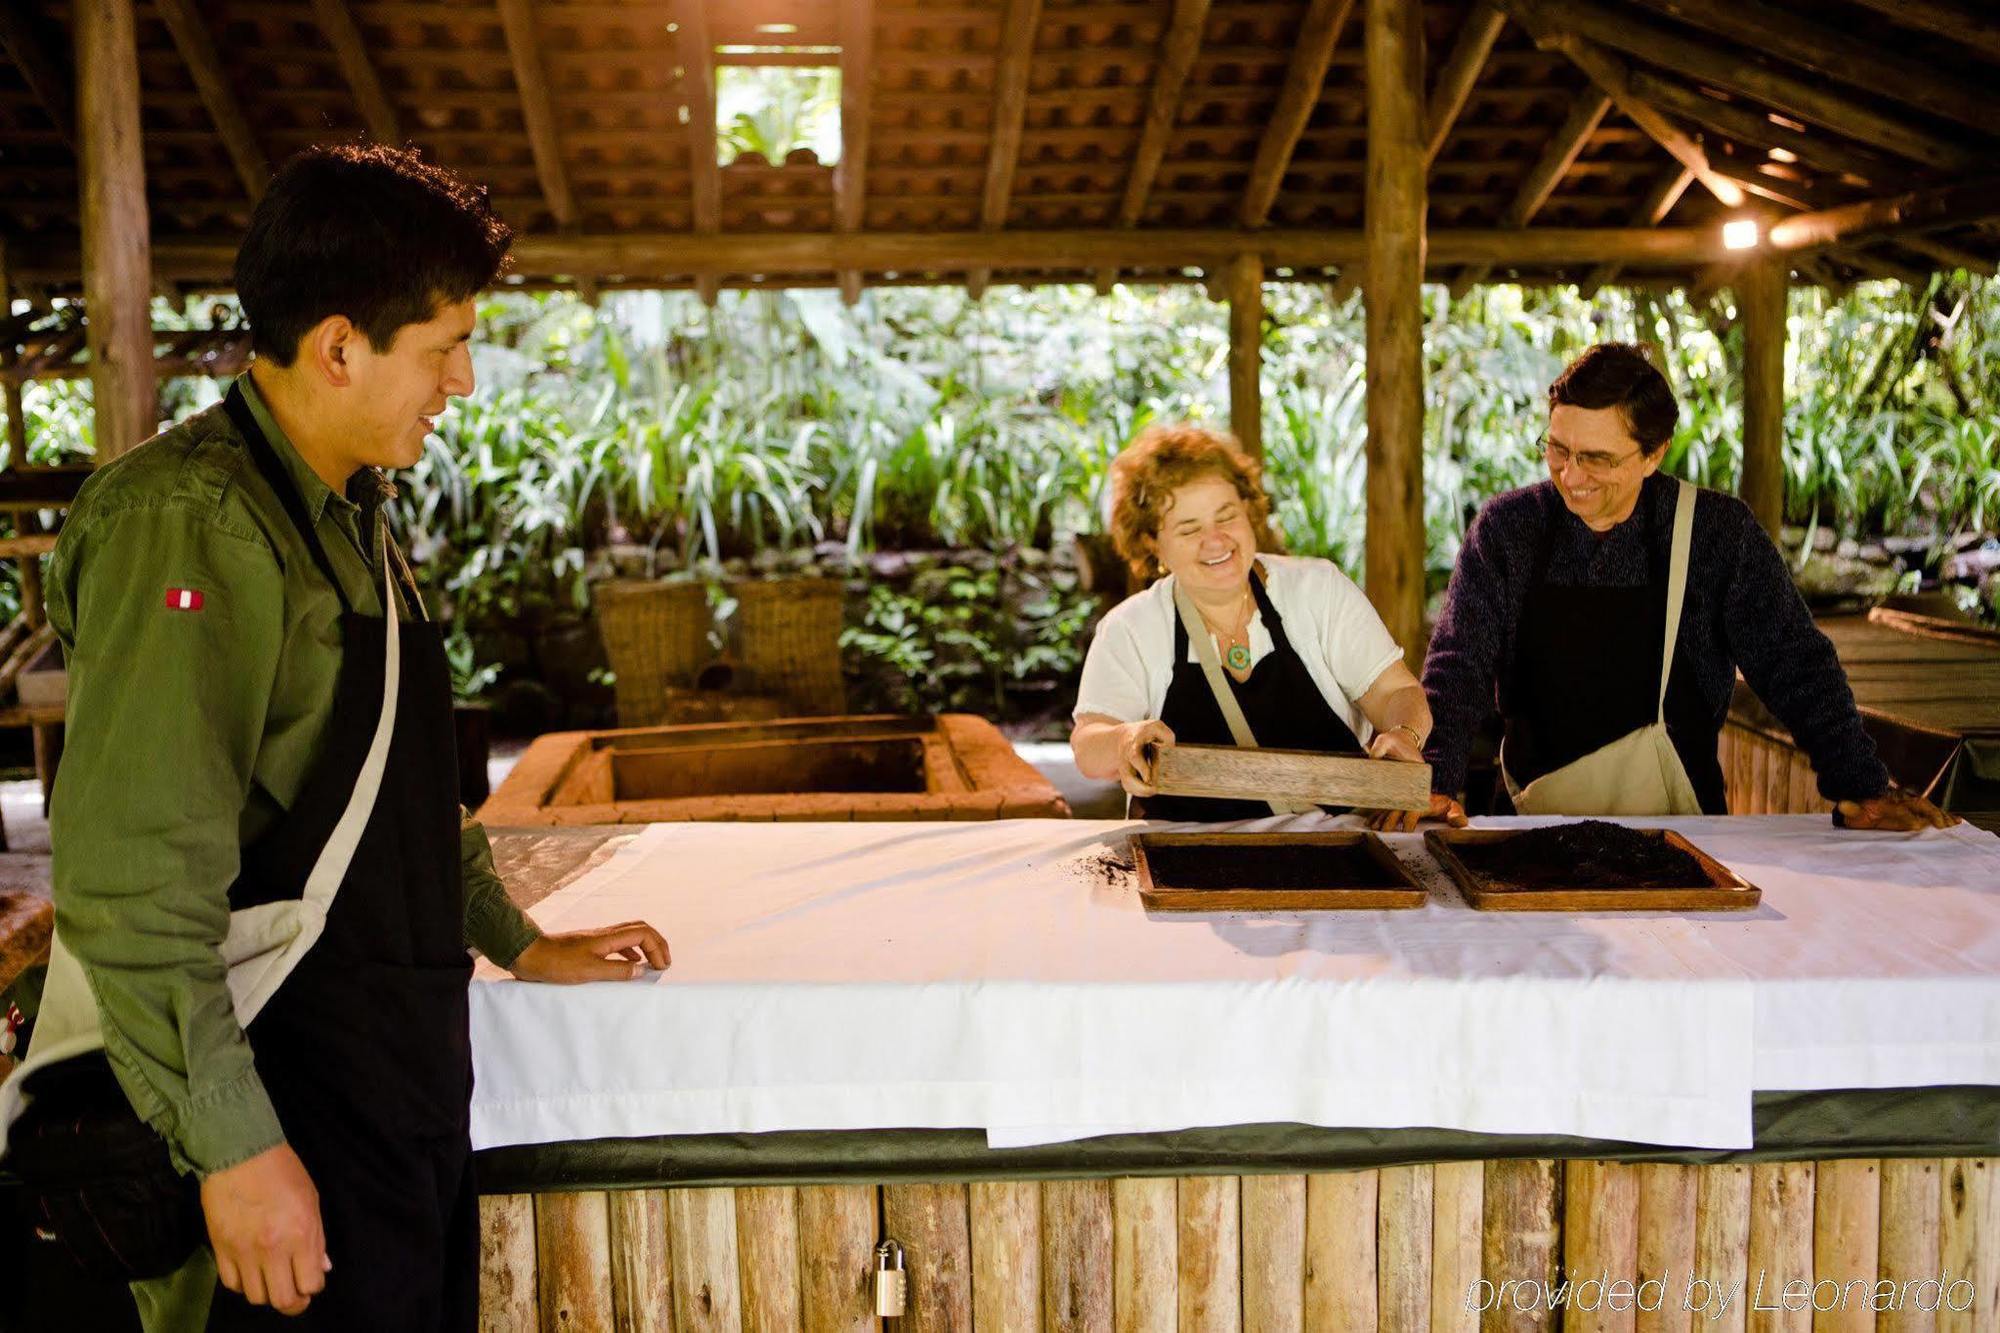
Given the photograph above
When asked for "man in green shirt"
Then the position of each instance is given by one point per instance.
(246, 736)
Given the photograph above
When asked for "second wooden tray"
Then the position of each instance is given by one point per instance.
(1724, 891)
(1305, 776)
(1389, 884)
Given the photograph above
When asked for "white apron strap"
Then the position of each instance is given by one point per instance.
(1677, 583)
(1218, 685)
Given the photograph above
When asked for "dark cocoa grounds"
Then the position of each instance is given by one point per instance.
(1111, 869)
(1252, 866)
(1592, 854)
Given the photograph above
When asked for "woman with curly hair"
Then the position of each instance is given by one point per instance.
(1287, 643)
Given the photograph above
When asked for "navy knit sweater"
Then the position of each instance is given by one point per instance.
(1742, 611)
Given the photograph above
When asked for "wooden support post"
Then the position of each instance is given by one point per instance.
(336, 24)
(1010, 110)
(1761, 294)
(704, 169)
(1244, 283)
(10, 388)
(850, 178)
(1393, 294)
(117, 276)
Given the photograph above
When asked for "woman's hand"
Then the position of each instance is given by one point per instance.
(1442, 807)
(1894, 811)
(1396, 744)
(614, 953)
(1137, 744)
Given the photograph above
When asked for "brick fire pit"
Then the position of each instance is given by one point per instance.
(955, 766)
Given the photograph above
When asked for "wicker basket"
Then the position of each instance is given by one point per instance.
(788, 639)
(656, 637)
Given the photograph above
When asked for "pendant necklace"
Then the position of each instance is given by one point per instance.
(1237, 655)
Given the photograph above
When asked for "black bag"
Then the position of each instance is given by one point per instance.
(97, 1180)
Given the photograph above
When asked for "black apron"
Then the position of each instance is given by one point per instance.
(365, 1049)
(1280, 701)
(1586, 671)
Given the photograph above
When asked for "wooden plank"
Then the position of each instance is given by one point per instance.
(1393, 294)
(1762, 292)
(837, 1232)
(336, 24)
(1458, 1194)
(1666, 1248)
(573, 1249)
(1781, 1244)
(1847, 1229)
(1312, 52)
(1969, 1244)
(29, 544)
(538, 113)
(1340, 1250)
(857, 85)
(116, 267)
(1520, 1230)
(931, 1223)
(1006, 1238)
(1911, 1190)
(1600, 1243)
(1659, 201)
(1718, 1288)
(1018, 26)
(1557, 157)
(1941, 206)
(1244, 282)
(1274, 1253)
(211, 83)
(1973, 28)
(1145, 1229)
(1476, 35)
(1403, 1223)
(26, 651)
(1739, 120)
(1178, 48)
(508, 1299)
(642, 1270)
(1291, 775)
(1076, 1272)
(1209, 1251)
(701, 1225)
(767, 1246)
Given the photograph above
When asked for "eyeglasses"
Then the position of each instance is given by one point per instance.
(1593, 462)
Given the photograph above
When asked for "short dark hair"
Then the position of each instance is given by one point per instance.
(1622, 375)
(367, 231)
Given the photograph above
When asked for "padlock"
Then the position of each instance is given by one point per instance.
(892, 1281)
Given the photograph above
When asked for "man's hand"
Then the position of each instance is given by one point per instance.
(614, 953)
(1136, 743)
(263, 1222)
(1442, 807)
(1893, 811)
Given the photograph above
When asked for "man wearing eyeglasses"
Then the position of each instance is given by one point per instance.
(1606, 612)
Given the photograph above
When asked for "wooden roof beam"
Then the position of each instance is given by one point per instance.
(1010, 111)
(1809, 99)
(704, 166)
(1612, 75)
(1873, 219)
(211, 83)
(1975, 29)
(531, 83)
(1304, 77)
(1178, 48)
(1460, 72)
(1748, 125)
(1558, 156)
(857, 80)
(1659, 202)
(336, 24)
(1948, 255)
(46, 74)
(1854, 61)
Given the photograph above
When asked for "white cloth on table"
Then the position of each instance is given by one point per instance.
(1330, 622)
(842, 976)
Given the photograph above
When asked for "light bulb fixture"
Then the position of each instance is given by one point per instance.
(1740, 234)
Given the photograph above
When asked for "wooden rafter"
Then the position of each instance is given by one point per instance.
(1976, 29)
(1874, 219)
(850, 178)
(1857, 62)
(538, 113)
(336, 24)
(1611, 74)
(1809, 99)
(1010, 111)
(1755, 128)
(1659, 202)
(1304, 78)
(211, 83)
(46, 74)
(1178, 48)
(704, 167)
(1558, 156)
(1949, 255)
(1460, 72)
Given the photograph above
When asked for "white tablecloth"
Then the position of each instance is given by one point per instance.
(837, 976)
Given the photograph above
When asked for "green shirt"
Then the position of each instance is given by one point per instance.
(189, 733)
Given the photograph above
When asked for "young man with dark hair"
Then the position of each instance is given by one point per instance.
(1605, 613)
(265, 886)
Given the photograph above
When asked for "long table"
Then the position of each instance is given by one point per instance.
(832, 1037)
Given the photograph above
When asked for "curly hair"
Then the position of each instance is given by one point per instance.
(1164, 458)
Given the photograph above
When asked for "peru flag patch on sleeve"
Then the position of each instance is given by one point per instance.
(183, 599)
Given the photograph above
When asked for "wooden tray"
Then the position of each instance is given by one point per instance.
(1405, 893)
(1291, 775)
(1725, 891)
